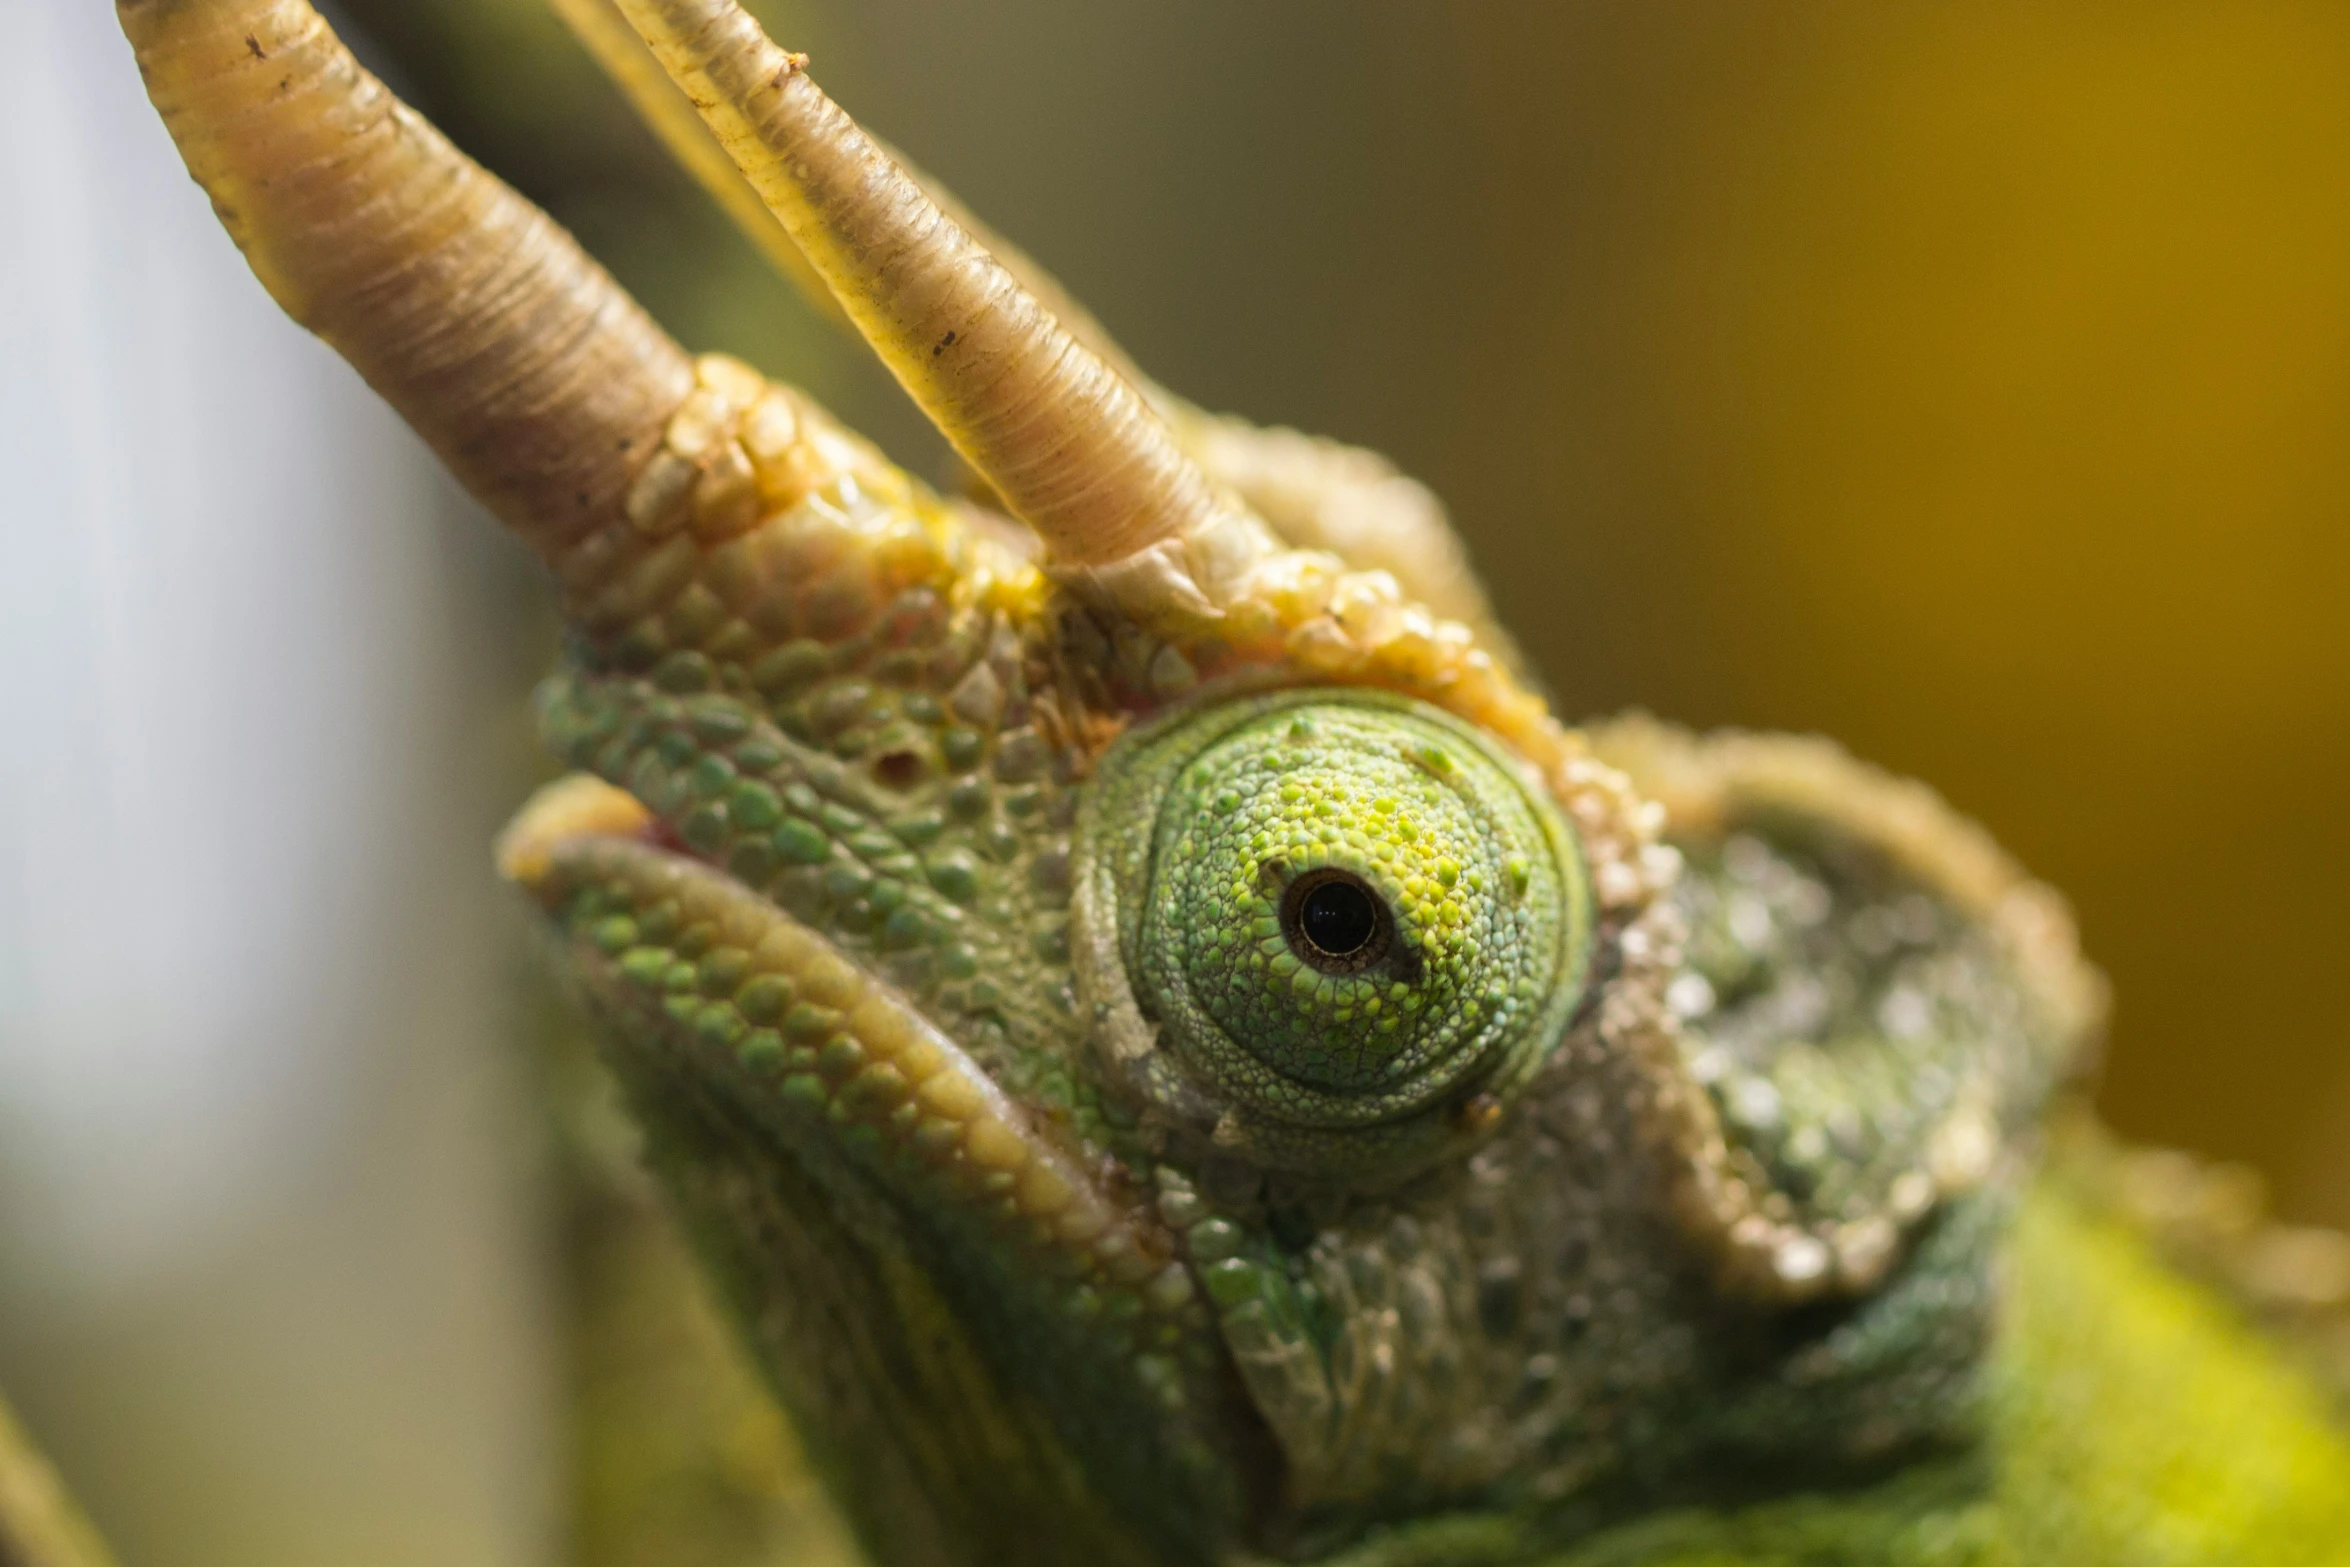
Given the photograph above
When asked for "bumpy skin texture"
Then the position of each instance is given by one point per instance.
(1210, 840)
(2224, 1454)
(1175, 1055)
(941, 944)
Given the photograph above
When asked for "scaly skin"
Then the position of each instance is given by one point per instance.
(1172, 1053)
(2225, 1456)
(1467, 1315)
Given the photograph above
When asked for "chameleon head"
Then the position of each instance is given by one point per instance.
(1161, 1035)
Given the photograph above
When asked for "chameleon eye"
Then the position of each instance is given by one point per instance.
(1335, 923)
(1340, 909)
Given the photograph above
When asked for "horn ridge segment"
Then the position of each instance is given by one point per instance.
(541, 384)
(614, 45)
(1068, 442)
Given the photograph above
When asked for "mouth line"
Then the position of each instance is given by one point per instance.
(846, 1045)
(708, 983)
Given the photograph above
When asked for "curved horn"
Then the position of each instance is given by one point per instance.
(540, 383)
(613, 44)
(1065, 439)
(604, 33)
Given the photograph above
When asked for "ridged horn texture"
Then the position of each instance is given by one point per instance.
(613, 44)
(540, 383)
(1068, 443)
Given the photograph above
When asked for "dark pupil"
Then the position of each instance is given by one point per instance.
(1338, 917)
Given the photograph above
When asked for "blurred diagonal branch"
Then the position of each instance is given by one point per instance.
(40, 1525)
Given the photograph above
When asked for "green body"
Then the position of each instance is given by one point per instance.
(2225, 1454)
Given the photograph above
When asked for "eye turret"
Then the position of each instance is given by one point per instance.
(1335, 913)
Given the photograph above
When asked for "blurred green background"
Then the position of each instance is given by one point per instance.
(1965, 382)
(1969, 383)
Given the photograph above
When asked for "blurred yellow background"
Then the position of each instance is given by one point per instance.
(1969, 383)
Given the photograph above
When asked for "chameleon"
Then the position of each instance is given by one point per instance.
(1170, 1050)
